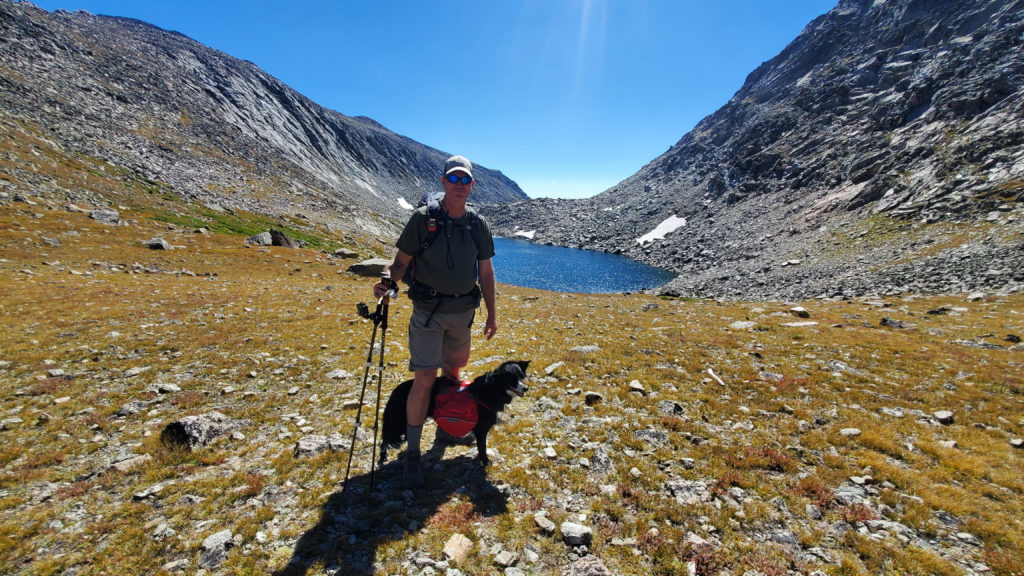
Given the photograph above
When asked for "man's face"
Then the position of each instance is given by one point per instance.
(457, 190)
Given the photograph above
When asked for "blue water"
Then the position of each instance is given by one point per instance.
(560, 269)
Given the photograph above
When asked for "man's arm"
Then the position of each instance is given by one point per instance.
(392, 273)
(486, 270)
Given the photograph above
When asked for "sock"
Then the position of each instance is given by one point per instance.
(412, 436)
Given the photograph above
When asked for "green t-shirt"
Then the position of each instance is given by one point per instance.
(449, 265)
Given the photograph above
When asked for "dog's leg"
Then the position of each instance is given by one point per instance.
(481, 446)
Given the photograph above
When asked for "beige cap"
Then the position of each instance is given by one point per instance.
(458, 163)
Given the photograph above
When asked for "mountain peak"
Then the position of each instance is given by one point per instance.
(881, 122)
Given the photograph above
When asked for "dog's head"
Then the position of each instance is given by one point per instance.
(498, 387)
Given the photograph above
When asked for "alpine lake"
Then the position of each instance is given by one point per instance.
(559, 269)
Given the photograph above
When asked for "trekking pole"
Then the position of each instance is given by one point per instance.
(364, 311)
(380, 377)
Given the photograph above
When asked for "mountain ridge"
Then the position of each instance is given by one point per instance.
(209, 127)
(881, 119)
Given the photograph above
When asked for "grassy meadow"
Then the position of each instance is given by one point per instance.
(630, 395)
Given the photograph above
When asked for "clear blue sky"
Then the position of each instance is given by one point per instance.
(566, 97)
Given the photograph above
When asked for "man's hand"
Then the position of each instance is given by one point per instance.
(490, 327)
(383, 286)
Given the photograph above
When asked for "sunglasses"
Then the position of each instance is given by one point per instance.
(459, 179)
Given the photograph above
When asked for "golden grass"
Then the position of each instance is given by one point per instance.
(240, 329)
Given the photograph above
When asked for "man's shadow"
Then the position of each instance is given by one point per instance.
(355, 523)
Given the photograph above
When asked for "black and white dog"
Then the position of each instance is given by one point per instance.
(492, 392)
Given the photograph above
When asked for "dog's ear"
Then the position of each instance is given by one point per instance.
(522, 365)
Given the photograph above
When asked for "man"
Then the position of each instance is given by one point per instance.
(444, 292)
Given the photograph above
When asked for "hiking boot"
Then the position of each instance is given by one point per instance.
(467, 439)
(412, 471)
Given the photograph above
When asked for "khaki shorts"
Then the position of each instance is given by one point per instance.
(444, 341)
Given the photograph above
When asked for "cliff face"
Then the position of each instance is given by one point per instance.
(881, 151)
(210, 127)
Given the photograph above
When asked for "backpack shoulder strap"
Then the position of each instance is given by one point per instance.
(435, 219)
(474, 225)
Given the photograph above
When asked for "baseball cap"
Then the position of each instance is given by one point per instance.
(458, 163)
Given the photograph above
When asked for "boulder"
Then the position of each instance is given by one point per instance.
(278, 238)
(198, 431)
(261, 239)
(105, 216)
(157, 244)
(371, 268)
(576, 534)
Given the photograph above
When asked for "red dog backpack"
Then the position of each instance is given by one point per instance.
(455, 410)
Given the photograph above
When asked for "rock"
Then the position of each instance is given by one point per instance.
(371, 268)
(850, 432)
(131, 463)
(198, 431)
(1017, 443)
(552, 367)
(278, 238)
(890, 323)
(157, 244)
(670, 408)
(589, 349)
(653, 436)
(345, 254)
(458, 548)
(261, 239)
(105, 216)
(576, 534)
(977, 297)
(506, 559)
(10, 423)
(944, 417)
(133, 407)
(689, 492)
(214, 550)
(544, 523)
(849, 494)
(151, 491)
(592, 398)
(310, 446)
(636, 387)
(339, 374)
(589, 566)
(742, 325)
(799, 312)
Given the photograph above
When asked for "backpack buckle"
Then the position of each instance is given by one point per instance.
(431, 224)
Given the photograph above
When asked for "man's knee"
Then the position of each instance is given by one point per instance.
(423, 380)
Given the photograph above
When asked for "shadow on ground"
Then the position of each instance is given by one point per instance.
(354, 524)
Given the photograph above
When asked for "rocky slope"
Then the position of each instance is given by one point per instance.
(200, 124)
(880, 152)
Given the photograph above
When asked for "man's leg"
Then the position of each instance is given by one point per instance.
(416, 414)
(417, 404)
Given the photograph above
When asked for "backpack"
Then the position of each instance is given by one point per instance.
(436, 220)
(455, 409)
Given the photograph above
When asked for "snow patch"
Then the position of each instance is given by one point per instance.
(670, 224)
(404, 203)
(528, 235)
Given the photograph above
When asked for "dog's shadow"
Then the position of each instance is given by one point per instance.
(355, 523)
